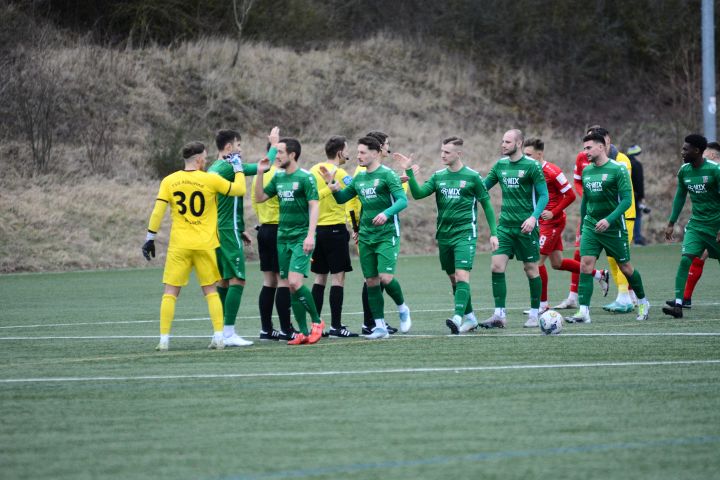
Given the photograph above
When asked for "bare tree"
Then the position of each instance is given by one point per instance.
(241, 10)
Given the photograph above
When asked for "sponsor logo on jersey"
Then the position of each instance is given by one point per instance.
(286, 195)
(452, 192)
(369, 192)
(511, 182)
(699, 188)
(594, 186)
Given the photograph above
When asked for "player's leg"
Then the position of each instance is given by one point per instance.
(270, 292)
(696, 244)
(693, 276)
(526, 247)
(590, 247)
(617, 246)
(376, 302)
(231, 265)
(266, 300)
(338, 259)
(387, 253)
(572, 300)
(623, 302)
(301, 296)
(205, 264)
(178, 265)
(319, 266)
(498, 263)
(635, 281)
(446, 254)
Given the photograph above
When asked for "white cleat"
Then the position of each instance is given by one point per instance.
(565, 304)
(605, 282)
(578, 318)
(236, 341)
(468, 325)
(532, 322)
(643, 311)
(541, 310)
(495, 321)
(216, 344)
(405, 320)
(378, 333)
(162, 346)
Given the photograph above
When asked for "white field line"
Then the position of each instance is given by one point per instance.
(328, 373)
(398, 336)
(207, 319)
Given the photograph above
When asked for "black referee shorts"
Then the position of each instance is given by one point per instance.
(267, 248)
(332, 253)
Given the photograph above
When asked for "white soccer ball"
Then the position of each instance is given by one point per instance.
(551, 323)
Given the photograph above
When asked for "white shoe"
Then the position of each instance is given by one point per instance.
(643, 311)
(162, 346)
(495, 321)
(405, 320)
(236, 341)
(578, 318)
(468, 325)
(605, 282)
(216, 344)
(541, 310)
(377, 333)
(532, 322)
(567, 303)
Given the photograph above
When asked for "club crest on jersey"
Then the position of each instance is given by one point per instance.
(376, 182)
(521, 173)
(463, 183)
(295, 185)
(705, 179)
(604, 177)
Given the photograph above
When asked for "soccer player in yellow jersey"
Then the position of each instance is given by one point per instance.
(331, 254)
(191, 195)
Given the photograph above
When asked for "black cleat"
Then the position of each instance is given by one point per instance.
(368, 331)
(273, 335)
(390, 329)
(341, 332)
(674, 311)
(451, 325)
(286, 336)
(686, 303)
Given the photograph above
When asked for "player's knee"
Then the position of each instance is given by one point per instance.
(386, 278)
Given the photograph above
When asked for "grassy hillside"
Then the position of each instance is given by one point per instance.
(114, 120)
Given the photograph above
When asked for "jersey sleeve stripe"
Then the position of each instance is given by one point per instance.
(162, 200)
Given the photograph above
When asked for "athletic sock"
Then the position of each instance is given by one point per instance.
(597, 274)
(462, 294)
(693, 275)
(232, 303)
(636, 282)
(585, 289)
(368, 319)
(305, 297)
(265, 302)
(299, 312)
(376, 302)
(222, 291)
(619, 277)
(228, 331)
(544, 280)
(681, 276)
(167, 313)
(318, 292)
(282, 305)
(499, 289)
(337, 295)
(536, 286)
(394, 290)
(575, 277)
(573, 266)
(215, 309)
(468, 306)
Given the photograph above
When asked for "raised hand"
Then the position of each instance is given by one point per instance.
(274, 137)
(403, 161)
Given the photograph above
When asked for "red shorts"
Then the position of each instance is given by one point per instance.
(551, 238)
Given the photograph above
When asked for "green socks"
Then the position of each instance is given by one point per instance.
(231, 303)
(393, 289)
(680, 277)
(300, 313)
(304, 296)
(636, 284)
(499, 289)
(462, 298)
(585, 289)
(376, 301)
(535, 291)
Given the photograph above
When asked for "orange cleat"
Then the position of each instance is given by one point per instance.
(299, 339)
(316, 332)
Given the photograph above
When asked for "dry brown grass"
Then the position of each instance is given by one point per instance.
(79, 216)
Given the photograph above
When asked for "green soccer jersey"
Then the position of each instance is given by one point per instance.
(294, 191)
(607, 193)
(519, 182)
(703, 184)
(378, 191)
(230, 209)
(456, 197)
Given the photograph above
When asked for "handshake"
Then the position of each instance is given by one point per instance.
(235, 160)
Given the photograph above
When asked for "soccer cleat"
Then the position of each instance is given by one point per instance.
(405, 320)
(273, 335)
(686, 303)
(366, 330)
(674, 311)
(565, 304)
(532, 322)
(216, 344)
(316, 332)
(453, 324)
(644, 311)
(578, 318)
(617, 307)
(378, 333)
(298, 339)
(164, 346)
(286, 336)
(391, 330)
(341, 332)
(605, 282)
(494, 322)
(236, 341)
(541, 310)
(468, 325)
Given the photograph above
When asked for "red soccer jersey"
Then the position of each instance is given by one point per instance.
(557, 185)
(581, 161)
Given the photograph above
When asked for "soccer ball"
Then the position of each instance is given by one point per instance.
(551, 323)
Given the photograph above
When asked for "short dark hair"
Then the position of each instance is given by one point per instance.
(379, 136)
(371, 143)
(292, 145)
(598, 129)
(595, 137)
(457, 141)
(697, 141)
(334, 145)
(223, 137)
(713, 146)
(191, 149)
(535, 143)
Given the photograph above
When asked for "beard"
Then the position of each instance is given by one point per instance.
(512, 152)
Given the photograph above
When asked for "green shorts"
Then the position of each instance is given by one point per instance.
(614, 242)
(230, 255)
(696, 241)
(457, 253)
(379, 256)
(514, 243)
(292, 258)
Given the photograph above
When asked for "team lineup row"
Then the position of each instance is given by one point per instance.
(302, 226)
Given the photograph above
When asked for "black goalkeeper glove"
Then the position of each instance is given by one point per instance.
(148, 249)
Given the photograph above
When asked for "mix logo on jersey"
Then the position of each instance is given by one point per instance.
(697, 188)
(595, 186)
(511, 182)
(450, 193)
(369, 192)
(287, 195)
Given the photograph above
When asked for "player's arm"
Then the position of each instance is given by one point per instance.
(626, 196)
(577, 173)
(583, 208)
(491, 179)
(484, 198)
(417, 191)
(677, 206)
(263, 194)
(161, 203)
(344, 195)
(568, 198)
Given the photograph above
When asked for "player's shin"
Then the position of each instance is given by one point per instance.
(304, 296)
(635, 282)
(585, 289)
(681, 276)
(232, 304)
(499, 289)
(536, 286)
(215, 309)
(167, 313)
(395, 292)
(462, 297)
(300, 313)
(376, 302)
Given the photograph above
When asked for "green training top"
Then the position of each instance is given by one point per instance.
(703, 184)
(524, 190)
(294, 191)
(379, 191)
(230, 209)
(456, 197)
(607, 194)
